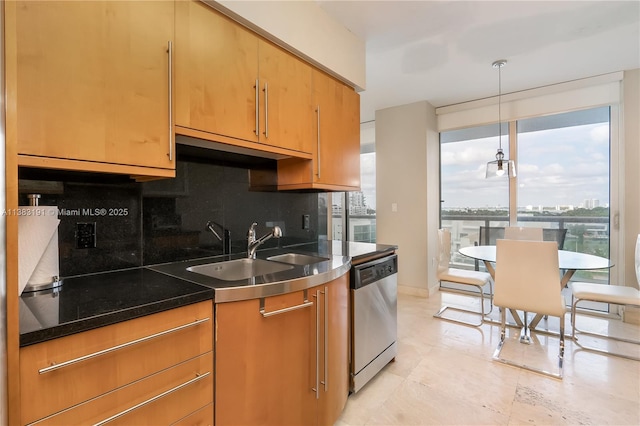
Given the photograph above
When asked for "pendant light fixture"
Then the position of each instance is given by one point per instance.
(500, 167)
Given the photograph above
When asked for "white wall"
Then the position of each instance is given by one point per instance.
(305, 29)
(407, 170)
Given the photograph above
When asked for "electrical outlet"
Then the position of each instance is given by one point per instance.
(85, 235)
(305, 221)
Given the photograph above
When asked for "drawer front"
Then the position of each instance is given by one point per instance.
(160, 399)
(202, 417)
(63, 372)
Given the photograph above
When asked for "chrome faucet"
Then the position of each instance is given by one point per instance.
(225, 239)
(253, 243)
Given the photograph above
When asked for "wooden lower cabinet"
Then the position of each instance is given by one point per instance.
(335, 367)
(162, 398)
(272, 364)
(202, 417)
(119, 365)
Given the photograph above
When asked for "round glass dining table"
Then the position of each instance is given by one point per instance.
(568, 261)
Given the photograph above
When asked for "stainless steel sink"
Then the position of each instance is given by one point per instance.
(240, 269)
(297, 258)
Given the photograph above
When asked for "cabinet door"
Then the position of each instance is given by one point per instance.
(336, 150)
(334, 356)
(264, 371)
(338, 138)
(286, 113)
(90, 80)
(216, 72)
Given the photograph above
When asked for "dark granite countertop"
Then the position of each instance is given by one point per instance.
(90, 301)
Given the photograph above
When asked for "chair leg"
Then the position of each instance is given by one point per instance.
(575, 331)
(482, 313)
(525, 333)
(503, 335)
(496, 353)
(561, 353)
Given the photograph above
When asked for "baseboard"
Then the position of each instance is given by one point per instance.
(413, 291)
(631, 315)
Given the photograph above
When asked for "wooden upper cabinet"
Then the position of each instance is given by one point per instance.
(90, 82)
(235, 88)
(286, 113)
(216, 73)
(338, 110)
(336, 163)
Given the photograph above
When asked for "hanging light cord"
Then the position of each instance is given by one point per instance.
(499, 64)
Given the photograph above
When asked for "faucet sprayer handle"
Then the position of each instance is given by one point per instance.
(252, 230)
(277, 232)
(210, 227)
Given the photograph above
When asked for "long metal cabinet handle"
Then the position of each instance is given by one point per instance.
(317, 388)
(155, 398)
(121, 346)
(266, 110)
(282, 311)
(257, 89)
(170, 52)
(318, 137)
(326, 337)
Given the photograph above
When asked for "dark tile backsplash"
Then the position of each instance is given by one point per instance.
(165, 220)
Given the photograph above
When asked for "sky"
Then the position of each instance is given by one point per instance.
(562, 166)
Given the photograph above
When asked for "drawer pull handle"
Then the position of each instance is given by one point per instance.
(282, 311)
(305, 304)
(115, 348)
(155, 398)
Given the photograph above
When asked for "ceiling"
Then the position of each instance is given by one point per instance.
(442, 51)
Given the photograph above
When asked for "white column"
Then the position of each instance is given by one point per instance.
(407, 191)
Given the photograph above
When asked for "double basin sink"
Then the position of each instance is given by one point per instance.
(242, 269)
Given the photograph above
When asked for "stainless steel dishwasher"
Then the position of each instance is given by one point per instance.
(374, 325)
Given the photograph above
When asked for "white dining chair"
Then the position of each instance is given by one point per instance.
(612, 294)
(460, 276)
(527, 280)
(522, 233)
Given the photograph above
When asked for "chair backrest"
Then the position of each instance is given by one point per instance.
(557, 235)
(444, 249)
(489, 234)
(527, 277)
(638, 259)
(522, 233)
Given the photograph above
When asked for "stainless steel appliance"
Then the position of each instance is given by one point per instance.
(374, 325)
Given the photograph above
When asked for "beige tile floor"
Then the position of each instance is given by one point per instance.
(444, 375)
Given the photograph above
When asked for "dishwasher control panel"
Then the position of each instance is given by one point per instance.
(373, 271)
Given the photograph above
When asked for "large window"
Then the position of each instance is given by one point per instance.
(562, 181)
(354, 213)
